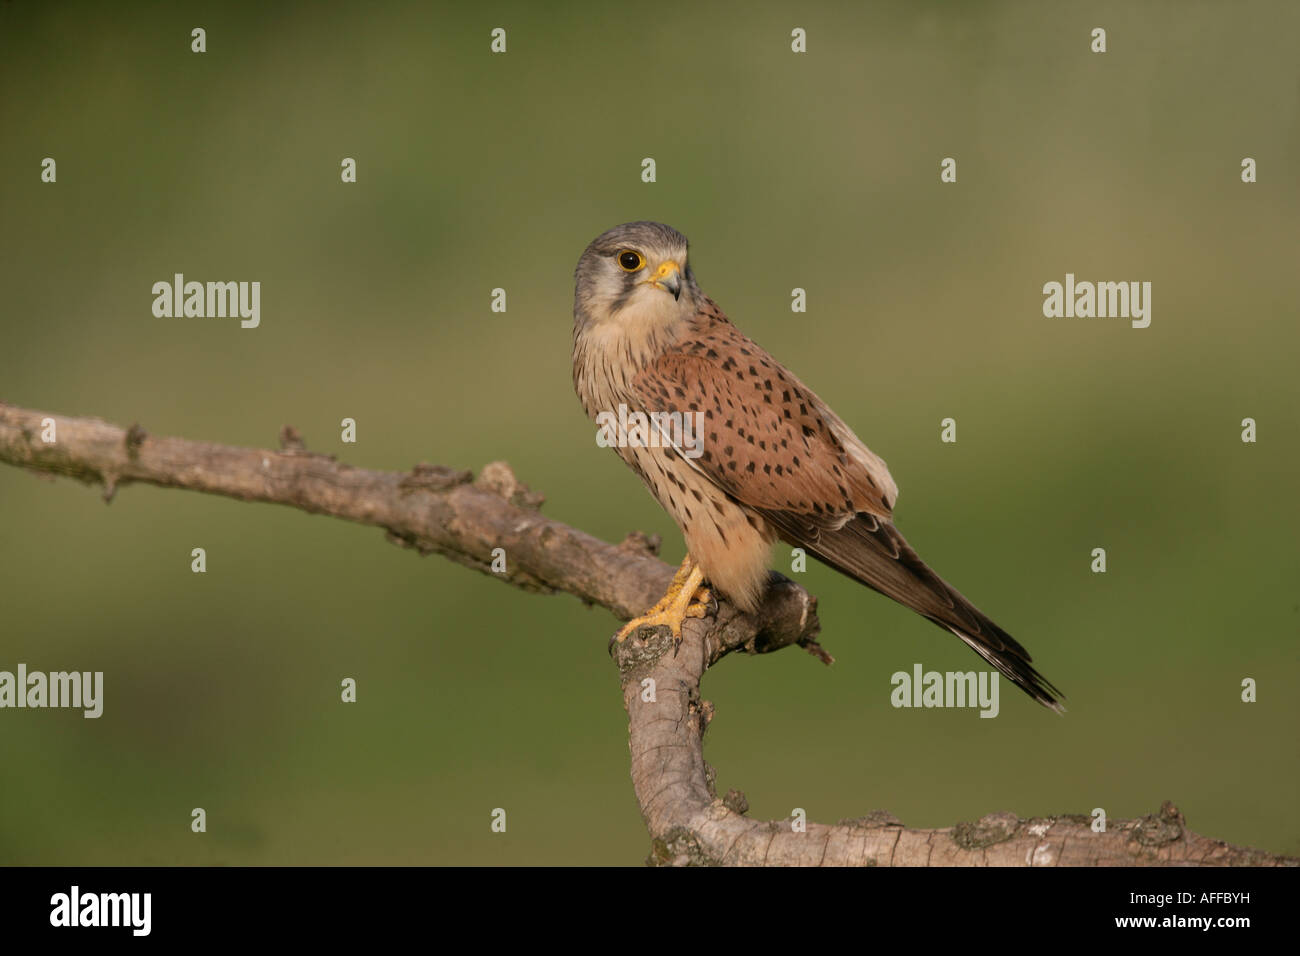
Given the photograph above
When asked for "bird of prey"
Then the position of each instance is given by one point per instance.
(773, 461)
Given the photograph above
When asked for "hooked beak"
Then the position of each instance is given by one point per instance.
(669, 278)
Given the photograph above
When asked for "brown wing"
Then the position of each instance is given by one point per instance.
(765, 441)
(774, 446)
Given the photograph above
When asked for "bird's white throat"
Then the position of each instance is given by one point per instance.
(636, 335)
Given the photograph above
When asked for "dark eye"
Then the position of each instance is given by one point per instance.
(630, 261)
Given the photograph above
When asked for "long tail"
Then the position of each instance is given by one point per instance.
(872, 551)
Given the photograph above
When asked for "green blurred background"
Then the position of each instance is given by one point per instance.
(479, 171)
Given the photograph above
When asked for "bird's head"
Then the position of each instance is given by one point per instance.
(638, 270)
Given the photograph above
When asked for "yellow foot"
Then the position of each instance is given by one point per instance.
(685, 598)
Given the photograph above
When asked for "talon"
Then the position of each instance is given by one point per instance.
(685, 598)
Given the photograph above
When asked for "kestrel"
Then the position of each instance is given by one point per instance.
(773, 461)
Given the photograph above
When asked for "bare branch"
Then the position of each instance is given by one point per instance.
(431, 508)
(691, 825)
(444, 510)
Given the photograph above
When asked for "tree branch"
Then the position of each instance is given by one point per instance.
(443, 510)
(690, 825)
